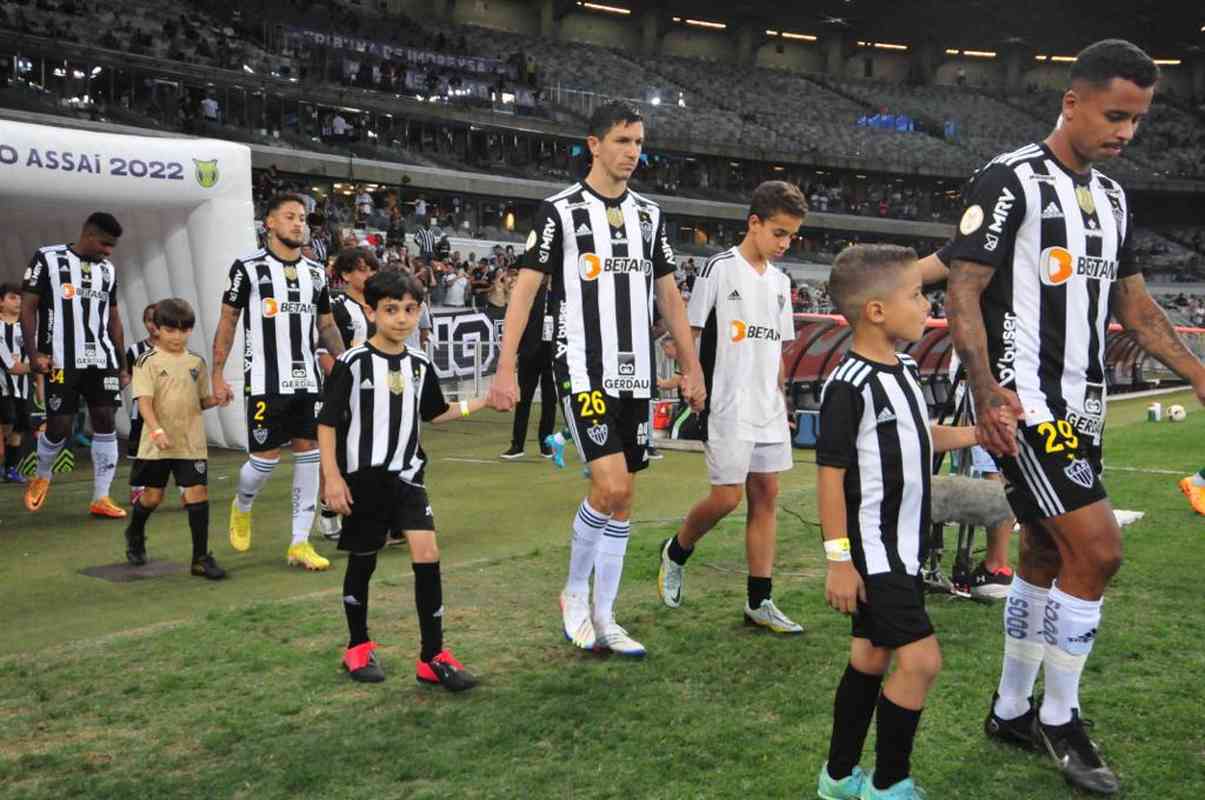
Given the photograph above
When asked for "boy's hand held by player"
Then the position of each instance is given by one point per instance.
(843, 587)
(336, 495)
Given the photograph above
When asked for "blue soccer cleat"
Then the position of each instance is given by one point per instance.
(558, 450)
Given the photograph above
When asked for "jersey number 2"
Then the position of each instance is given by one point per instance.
(260, 407)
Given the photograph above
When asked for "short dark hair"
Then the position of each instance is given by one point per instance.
(175, 312)
(1107, 59)
(610, 114)
(104, 222)
(286, 197)
(393, 286)
(777, 197)
(349, 257)
(150, 310)
(10, 288)
(864, 272)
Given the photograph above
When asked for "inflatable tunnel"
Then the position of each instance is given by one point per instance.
(184, 204)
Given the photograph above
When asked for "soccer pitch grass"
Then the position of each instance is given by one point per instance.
(179, 687)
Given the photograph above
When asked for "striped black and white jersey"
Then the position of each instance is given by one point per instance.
(133, 353)
(745, 316)
(424, 239)
(12, 351)
(376, 402)
(1058, 241)
(603, 255)
(352, 320)
(874, 424)
(75, 298)
(281, 302)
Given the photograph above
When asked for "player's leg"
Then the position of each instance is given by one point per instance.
(1089, 544)
(529, 375)
(362, 537)
(548, 407)
(104, 454)
(132, 445)
(761, 537)
(192, 477)
(264, 439)
(727, 469)
(1193, 487)
(152, 475)
(898, 714)
(303, 429)
(857, 696)
(992, 577)
(612, 488)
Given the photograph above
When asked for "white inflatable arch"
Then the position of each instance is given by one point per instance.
(187, 213)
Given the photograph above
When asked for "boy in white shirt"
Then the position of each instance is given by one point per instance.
(741, 305)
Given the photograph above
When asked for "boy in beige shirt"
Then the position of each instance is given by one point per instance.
(171, 388)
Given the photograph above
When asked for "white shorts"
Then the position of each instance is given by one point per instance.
(730, 461)
(982, 463)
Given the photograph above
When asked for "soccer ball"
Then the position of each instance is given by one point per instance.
(1176, 413)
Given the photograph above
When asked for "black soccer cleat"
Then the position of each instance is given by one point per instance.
(512, 453)
(135, 549)
(1018, 732)
(206, 567)
(1077, 756)
(444, 670)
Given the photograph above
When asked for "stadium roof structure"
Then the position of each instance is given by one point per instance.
(1165, 29)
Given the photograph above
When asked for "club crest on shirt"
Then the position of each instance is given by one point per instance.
(54, 403)
(646, 228)
(397, 382)
(615, 216)
(598, 434)
(782, 301)
(200, 467)
(1080, 473)
(291, 273)
(85, 268)
(194, 372)
(1083, 196)
(260, 434)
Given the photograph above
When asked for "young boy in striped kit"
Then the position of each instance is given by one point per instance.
(373, 403)
(875, 458)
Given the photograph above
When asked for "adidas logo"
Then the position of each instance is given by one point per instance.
(1052, 211)
(735, 295)
(885, 416)
(439, 613)
(366, 384)
(264, 279)
(584, 230)
(163, 374)
(350, 599)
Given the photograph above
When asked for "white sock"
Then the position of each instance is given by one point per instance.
(251, 478)
(587, 530)
(104, 463)
(1074, 622)
(608, 569)
(1023, 647)
(305, 494)
(48, 451)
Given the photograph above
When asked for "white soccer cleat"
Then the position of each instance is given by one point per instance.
(669, 578)
(609, 636)
(767, 615)
(575, 620)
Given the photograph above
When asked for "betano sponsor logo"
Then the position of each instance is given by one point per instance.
(739, 331)
(1057, 265)
(592, 266)
(272, 307)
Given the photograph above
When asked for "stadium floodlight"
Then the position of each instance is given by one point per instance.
(186, 208)
(656, 100)
(248, 70)
(702, 23)
(681, 100)
(96, 71)
(951, 52)
(1168, 62)
(979, 53)
(604, 8)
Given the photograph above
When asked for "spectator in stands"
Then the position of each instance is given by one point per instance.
(420, 211)
(396, 230)
(498, 296)
(340, 130)
(211, 109)
(424, 239)
(458, 288)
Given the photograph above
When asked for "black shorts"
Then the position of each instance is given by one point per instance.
(382, 502)
(64, 387)
(14, 411)
(153, 472)
(603, 424)
(1056, 472)
(135, 438)
(894, 614)
(274, 420)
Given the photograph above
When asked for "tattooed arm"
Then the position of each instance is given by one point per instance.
(1140, 314)
(329, 336)
(996, 408)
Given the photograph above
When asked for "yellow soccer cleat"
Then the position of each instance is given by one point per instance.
(304, 555)
(105, 507)
(1194, 493)
(240, 528)
(35, 493)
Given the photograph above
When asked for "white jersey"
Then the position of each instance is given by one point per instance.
(745, 317)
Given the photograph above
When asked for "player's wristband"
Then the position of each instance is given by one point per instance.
(157, 431)
(464, 408)
(837, 549)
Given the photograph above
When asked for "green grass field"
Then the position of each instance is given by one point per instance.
(178, 687)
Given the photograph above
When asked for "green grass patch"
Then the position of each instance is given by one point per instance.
(177, 687)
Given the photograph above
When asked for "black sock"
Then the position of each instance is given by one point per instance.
(759, 590)
(12, 455)
(895, 733)
(355, 596)
(198, 524)
(677, 553)
(138, 518)
(429, 602)
(852, 710)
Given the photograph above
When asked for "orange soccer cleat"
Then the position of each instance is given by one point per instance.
(105, 507)
(35, 493)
